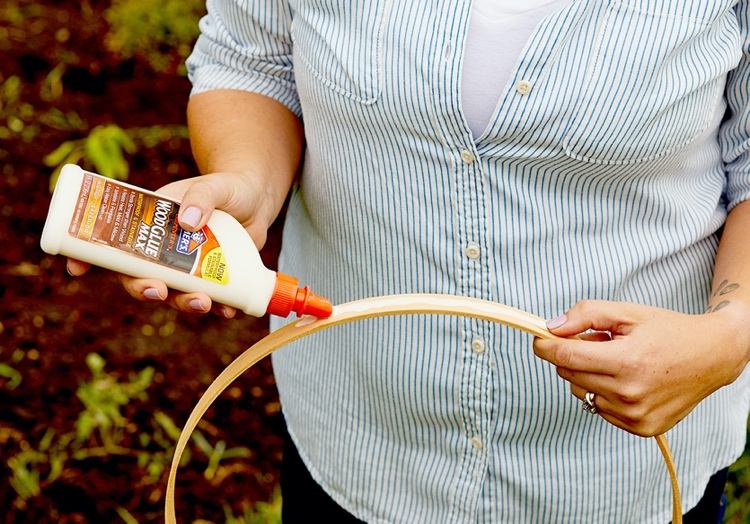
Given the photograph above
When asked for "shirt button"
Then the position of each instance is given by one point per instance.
(478, 346)
(467, 156)
(476, 442)
(523, 87)
(448, 51)
(472, 251)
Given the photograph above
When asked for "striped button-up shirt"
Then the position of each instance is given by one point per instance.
(613, 156)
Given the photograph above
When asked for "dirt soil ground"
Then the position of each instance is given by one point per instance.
(49, 321)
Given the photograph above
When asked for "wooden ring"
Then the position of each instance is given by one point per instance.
(369, 308)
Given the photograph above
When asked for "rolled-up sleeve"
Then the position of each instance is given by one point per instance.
(246, 45)
(735, 133)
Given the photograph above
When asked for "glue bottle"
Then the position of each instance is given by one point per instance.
(133, 231)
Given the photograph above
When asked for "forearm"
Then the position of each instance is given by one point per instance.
(248, 134)
(730, 291)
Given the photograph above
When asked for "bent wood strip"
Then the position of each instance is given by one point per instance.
(369, 308)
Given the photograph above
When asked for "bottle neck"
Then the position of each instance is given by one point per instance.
(288, 296)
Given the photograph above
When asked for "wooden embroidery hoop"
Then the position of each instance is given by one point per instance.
(369, 308)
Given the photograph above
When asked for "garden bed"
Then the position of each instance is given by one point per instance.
(58, 83)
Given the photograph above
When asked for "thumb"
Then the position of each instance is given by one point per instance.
(198, 201)
(599, 315)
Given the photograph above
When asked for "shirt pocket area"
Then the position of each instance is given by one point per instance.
(340, 43)
(655, 81)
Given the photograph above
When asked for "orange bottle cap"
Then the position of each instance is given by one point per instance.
(288, 297)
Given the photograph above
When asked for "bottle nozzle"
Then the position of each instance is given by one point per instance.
(288, 297)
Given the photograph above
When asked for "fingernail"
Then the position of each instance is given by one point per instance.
(67, 268)
(152, 293)
(557, 322)
(191, 216)
(197, 305)
(226, 312)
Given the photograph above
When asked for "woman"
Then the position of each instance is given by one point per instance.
(576, 159)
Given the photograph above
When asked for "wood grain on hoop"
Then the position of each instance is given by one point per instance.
(369, 308)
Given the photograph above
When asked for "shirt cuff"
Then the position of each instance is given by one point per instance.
(208, 77)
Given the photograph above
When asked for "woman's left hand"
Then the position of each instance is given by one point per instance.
(658, 365)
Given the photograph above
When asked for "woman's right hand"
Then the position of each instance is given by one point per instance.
(242, 195)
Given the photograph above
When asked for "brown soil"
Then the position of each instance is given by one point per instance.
(49, 321)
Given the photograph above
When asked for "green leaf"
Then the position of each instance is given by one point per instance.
(186, 457)
(25, 481)
(123, 139)
(155, 469)
(125, 515)
(239, 452)
(200, 441)
(73, 158)
(13, 376)
(104, 148)
(214, 459)
(96, 153)
(143, 379)
(11, 89)
(167, 425)
(52, 86)
(95, 363)
(58, 156)
(57, 464)
(15, 124)
(84, 426)
(46, 441)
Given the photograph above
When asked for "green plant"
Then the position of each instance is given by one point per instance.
(56, 119)
(261, 513)
(162, 36)
(105, 147)
(154, 135)
(126, 516)
(13, 376)
(25, 475)
(17, 118)
(102, 430)
(26, 467)
(11, 13)
(52, 87)
(217, 453)
(102, 397)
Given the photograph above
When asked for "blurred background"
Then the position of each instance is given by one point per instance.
(94, 385)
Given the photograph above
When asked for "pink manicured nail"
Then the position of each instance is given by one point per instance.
(152, 293)
(197, 305)
(557, 322)
(69, 269)
(191, 216)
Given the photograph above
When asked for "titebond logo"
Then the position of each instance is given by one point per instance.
(188, 242)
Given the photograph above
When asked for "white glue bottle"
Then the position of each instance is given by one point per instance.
(135, 232)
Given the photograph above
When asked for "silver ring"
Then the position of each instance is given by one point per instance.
(589, 403)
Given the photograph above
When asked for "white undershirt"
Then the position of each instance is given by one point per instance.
(498, 32)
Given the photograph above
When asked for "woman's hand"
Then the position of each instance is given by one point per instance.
(658, 366)
(241, 195)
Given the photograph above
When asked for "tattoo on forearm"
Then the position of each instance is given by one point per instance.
(720, 305)
(725, 288)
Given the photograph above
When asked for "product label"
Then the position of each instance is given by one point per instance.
(146, 226)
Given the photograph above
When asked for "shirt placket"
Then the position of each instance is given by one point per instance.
(473, 237)
(471, 251)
